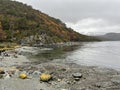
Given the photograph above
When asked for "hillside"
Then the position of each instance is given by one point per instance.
(110, 37)
(2, 34)
(23, 24)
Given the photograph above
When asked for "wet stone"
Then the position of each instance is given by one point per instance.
(77, 75)
(36, 73)
(76, 79)
(30, 72)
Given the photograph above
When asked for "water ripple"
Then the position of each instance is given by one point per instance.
(105, 54)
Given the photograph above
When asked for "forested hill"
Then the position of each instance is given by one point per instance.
(22, 23)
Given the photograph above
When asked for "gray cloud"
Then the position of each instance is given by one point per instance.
(98, 26)
(75, 11)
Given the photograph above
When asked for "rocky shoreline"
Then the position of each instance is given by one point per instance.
(65, 76)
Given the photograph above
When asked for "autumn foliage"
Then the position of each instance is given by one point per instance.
(19, 21)
(2, 34)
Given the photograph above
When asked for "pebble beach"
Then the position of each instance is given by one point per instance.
(65, 76)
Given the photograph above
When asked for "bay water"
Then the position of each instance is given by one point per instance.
(102, 54)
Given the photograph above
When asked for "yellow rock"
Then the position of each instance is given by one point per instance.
(23, 76)
(45, 77)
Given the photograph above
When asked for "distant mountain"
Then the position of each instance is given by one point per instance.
(110, 37)
(22, 23)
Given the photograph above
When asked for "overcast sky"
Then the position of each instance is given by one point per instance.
(84, 16)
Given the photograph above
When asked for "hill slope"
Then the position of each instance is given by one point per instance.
(110, 37)
(22, 23)
(2, 34)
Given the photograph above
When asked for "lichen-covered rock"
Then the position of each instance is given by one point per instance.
(23, 76)
(45, 77)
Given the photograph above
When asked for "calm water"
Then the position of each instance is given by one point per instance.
(103, 54)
